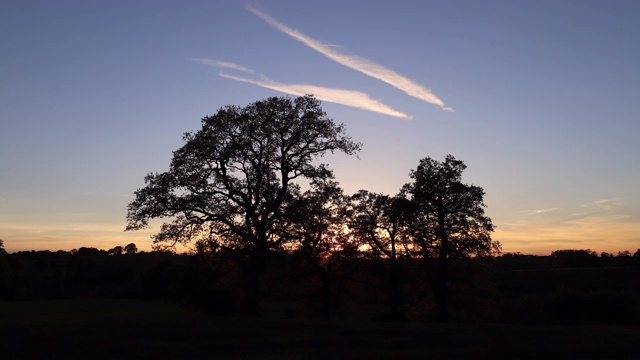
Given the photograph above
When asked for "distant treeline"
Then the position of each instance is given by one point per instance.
(569, 286)
(572, 259)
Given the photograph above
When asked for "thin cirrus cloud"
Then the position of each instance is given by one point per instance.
(352, 98)
(357, 63)
(605, 204)
(223, 64)
(540, 211)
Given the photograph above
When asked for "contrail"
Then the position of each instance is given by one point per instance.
(357, 63)
(223, 64)
(340, 96)
(352, 98)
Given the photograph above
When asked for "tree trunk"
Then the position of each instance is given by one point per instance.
(327, 299)
(253, 270)
(251, 300)
(436, 279)
(442, 272)
(440, 291)
(395, 289)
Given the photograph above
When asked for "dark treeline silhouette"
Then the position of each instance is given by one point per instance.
(569, 286)
(511, 288)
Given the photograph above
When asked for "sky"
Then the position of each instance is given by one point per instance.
(540, 99)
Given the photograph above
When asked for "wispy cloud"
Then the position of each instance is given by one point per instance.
(357, 63)
(535, 212)
(223, 64)
(352, 98)
(605, 204)
(340, 96)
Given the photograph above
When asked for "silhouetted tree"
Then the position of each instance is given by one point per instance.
(320, 239)
(606, 259)
(446, 220)
(117, 250)
(6, 292)
(635, 258)
(232, 181)
(624, 258)
(88, 251)
(575, 258)
(130, 249)
(376, 221)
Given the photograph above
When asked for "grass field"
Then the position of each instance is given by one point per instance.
(127, 329)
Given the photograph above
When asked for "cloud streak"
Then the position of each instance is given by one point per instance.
(540, 211)
(352, 98)
(357, 63)
(606, 204)
(222, 64)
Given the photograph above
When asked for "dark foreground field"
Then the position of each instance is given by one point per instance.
(125, 329)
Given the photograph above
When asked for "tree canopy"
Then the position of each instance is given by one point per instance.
(446, 220)
(130, 249)
(377, 223)
(447, 217)
(233, 180)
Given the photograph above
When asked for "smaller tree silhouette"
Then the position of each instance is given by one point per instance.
(446, 220)
(115, 251)
(573, 258)
(2, 250)
(320, 239)
(88, 251)
(130, 249)
(377, 222)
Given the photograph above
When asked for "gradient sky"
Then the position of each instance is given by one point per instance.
(539, 98)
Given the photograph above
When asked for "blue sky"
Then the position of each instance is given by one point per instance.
(96, 94)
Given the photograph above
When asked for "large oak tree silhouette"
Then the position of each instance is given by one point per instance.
(233, 180)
